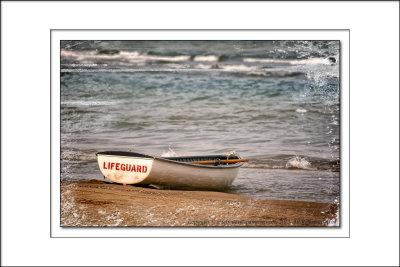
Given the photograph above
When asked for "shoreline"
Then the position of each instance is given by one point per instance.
(97, 203)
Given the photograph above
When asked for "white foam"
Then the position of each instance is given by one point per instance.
(238, 68)
(301, 110)
(135, 56)
(130, 56)
(298, 163)
(78, 55)
(210, 58)
(171, 59)
(66, 53)
(308, 61)
(83, 65)
(87, 103)
(127, 54)
(169, 153)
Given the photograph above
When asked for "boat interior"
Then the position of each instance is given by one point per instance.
(215, 160)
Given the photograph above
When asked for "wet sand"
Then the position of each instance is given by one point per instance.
(96, 203)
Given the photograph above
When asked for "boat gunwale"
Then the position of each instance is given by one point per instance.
(170, 159)
(123, 154)
(221, 166)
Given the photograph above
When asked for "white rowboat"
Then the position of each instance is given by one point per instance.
(200, 172)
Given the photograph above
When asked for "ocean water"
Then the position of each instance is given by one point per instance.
(276, 103)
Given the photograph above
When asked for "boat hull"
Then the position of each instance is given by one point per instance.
(133, 168)
(177, 175)
(124, 169)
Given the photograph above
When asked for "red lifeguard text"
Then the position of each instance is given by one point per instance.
(124, 167)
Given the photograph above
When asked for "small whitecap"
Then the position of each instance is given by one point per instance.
(169, 153)
(210, 58)
(301, 110)
(298, 163)
(87, 103)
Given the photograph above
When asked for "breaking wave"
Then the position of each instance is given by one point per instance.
(90, 57)
(169, 153)
(210, 58)
(197, 62)
(308, 61)
(296, 162)
(135, 61)
(136, 57)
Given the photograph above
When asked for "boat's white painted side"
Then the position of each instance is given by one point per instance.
(123, 169)
(165, 172)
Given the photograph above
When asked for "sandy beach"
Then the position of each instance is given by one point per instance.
(96, 203)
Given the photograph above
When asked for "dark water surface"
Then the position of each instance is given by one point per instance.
(274, 102)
